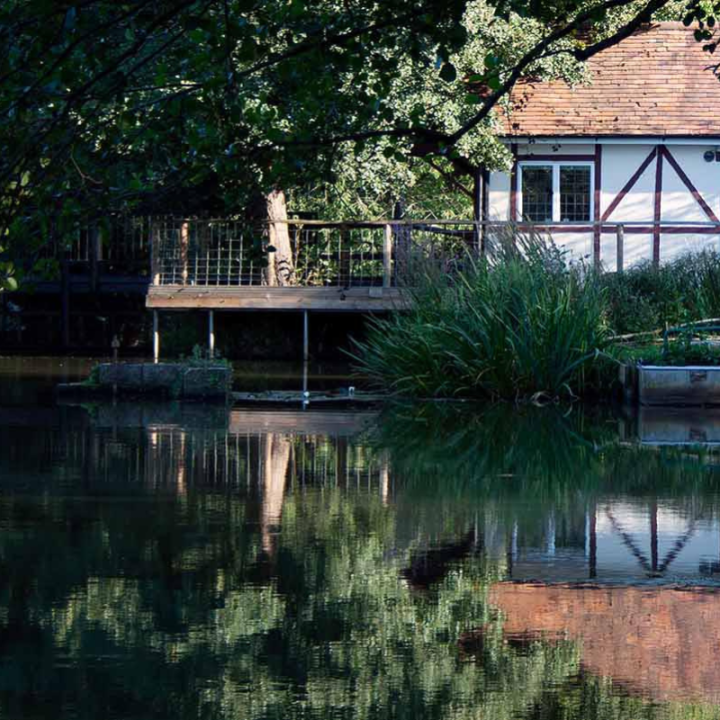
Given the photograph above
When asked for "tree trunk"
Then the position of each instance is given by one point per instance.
(281, 270)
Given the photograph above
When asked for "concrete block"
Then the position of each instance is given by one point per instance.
(678, 426)
(126, 376)
(163, 377)
(206, 382)
(688, 385)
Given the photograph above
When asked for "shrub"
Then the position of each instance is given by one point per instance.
(689, 348)
(646, 298)
(525, 324)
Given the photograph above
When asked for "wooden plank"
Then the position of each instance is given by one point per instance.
(596, 204)
(360, 299)
(514, 184)
(658, 206)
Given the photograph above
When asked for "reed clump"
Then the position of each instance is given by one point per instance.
(524, 324)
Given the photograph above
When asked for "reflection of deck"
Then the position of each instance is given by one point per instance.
(239, 421)
(300, 422)
(332, 299)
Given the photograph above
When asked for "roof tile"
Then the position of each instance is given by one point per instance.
(659, 81)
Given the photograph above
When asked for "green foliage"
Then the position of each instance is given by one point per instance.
(190, 107)
(688, 349)
(525, 325)
(200, 357)
(7, 273)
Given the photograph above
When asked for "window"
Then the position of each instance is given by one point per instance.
(555, 192)
(537, 193)
(574, 194)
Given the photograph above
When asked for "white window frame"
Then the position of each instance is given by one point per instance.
(555, 165)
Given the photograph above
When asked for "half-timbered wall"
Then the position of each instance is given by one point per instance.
(637, 182)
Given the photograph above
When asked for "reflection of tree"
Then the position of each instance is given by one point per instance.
(163, 617)
(276, 458)
(122, 602)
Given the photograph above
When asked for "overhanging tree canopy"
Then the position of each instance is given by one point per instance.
(189, 105)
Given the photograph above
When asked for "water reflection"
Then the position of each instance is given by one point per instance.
(182, 561)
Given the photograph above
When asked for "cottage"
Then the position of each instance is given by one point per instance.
(638, 146)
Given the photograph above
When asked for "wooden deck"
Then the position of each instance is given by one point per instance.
(327, 299)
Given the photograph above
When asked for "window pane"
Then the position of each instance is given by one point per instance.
(575, 194)
(537, 193)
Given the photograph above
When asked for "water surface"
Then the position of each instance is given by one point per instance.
(415, 562)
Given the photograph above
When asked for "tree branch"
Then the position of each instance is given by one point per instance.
(536, 52)
(448, 177)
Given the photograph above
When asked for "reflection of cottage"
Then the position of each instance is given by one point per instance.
(660, 643)
(616, 541)
(638, 145)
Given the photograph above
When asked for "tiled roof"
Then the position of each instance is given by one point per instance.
(657, 82)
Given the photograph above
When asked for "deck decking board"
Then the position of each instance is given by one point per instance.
(329, 299)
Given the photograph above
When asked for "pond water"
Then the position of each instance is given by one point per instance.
(166, 561)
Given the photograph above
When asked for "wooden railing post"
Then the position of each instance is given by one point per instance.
(620, 250)
(184, 242)
(345, 262)
(387, 256)
(154, 253)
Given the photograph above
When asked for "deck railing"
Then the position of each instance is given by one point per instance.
(121, 245)
(228, 253)
(234, 253)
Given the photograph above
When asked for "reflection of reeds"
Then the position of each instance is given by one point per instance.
(541, 454)
(522, 323)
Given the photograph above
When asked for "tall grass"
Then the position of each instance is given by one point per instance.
(524, 324)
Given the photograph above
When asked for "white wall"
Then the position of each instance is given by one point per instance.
(526, 152)
(620, 161)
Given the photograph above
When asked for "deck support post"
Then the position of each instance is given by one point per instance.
(387, 256)
(154, 252)
(211, 334)
(94, 256)
(306, 335)
(156, 337)
(620, 263)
